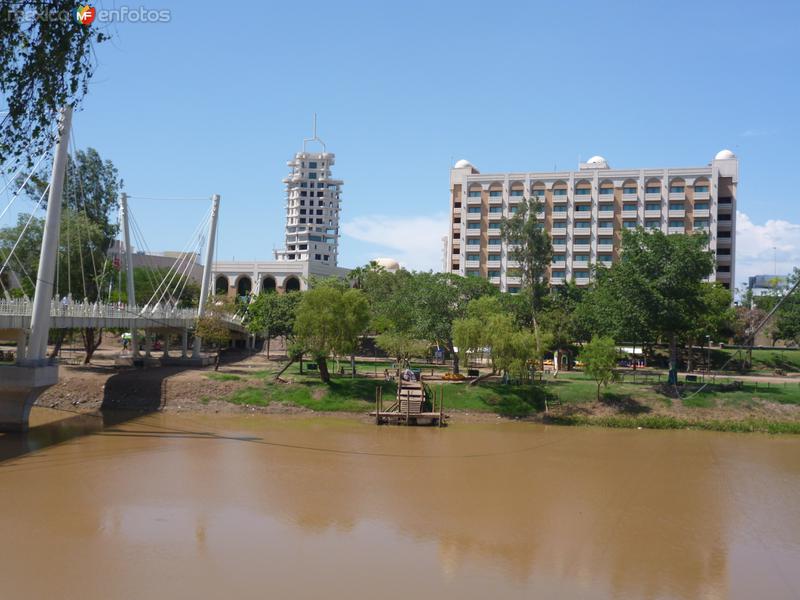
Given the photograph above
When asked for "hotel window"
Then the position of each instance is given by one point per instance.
(513, 290)
(629, 206)
(558, 273)
(653, 224)
(494, 241)
(559, 192)
(473, 256)
(312, 175)
(676, 189)
(726, 200)
(723, 269)
(606, 225)
(494, 225)
(513, 209)
(701, 205)
(319, 211)
(629, 224)
(474, 194)
(652, 206)
(583, 208)
(494, 257)
(676, 205)
(701, 188)
(583, 225)
(325, 257)
(472, 273)
(516, 193)
(474, 210)
(651, 189)
(473, 225)
(580, 258)
(312, 165)
(302, 220)
(538, 193)
(304, 194)
(558, 258)
(701, 223)
(605, 257)
(560, 208)
(495, 193)
(605, 240)
(606, 206)
(724, 217)
(629, 190)
(302, 211)
(559, 241)
(723, 251)
(581, 274)
(495, 209)
(494, 273)
(583, 192)
(606, 191)
(473, 242)
(676, 223)
(724, 234)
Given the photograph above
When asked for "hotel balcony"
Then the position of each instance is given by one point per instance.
(605, 214)
(559, 247)
(652, 197)
(558, 264)
(493, 264)
(677, 195)
(723, 259)
(540, 215)
(630, 214)
(472, 264)
(495, 216)
(559, 215)
(580, 264)
(630, 197)
(605, 247)
(473, 216)
(581, 199)
(671, 230)
(557, 281)
(494, 200)
(652, 214)
(516, 199)
(560, 199)
(723, 242)
(605, 263)
(582, 232)
(513, 280)
(559, 229)
(495, 280)
(724, 208)
(677, 213)
(474, 200)
(576, 247)
(512, 264)
(583, 215)
(702, 213)
(583, 280)
(702, 195)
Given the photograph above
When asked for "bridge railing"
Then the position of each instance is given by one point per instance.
(23, 307)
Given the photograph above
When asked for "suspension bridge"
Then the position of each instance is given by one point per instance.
(29, 320)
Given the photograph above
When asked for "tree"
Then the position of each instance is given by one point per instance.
(272, 315)
(46, 61)
(146, 281)
(787, 324)
(211, 327)
(401, 346)
(714, 321)
(531, 247)
(599, 357)
(329, 320)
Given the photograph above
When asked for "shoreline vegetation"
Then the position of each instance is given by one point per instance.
(245, 384)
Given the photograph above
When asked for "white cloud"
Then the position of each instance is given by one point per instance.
(415, 241)
(755, 244)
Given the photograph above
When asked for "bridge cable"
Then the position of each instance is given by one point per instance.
(24, 229)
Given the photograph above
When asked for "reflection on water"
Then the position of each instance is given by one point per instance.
(173, 506)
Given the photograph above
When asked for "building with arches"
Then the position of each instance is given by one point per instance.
(585, 211)
(311, 246)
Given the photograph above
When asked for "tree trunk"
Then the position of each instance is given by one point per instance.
(59, 342)
(216, 360)
(634, 357)
(455, 358)
(598, 391)
(322, 365)
(689, 360)
(283, 370)
(268, 338)
(89, 343)
(673, 360)
(353, 364)
(482, 377)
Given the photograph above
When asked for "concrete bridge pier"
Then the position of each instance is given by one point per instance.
(167, 335)
(184, 343)
(20, 388)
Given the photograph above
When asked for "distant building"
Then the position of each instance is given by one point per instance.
(188, 263)
(311, 233)
(585, 211)
(389, 264)
(761, 284)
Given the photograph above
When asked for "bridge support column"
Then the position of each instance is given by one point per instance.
(184, 343)
(147, 344)
(20, 387)
(22, 345)
(166, 344)
(205, 285)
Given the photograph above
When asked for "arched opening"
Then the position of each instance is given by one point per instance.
(292, 284)
(268, 285)
(244, 286)
(538, 190)
(221, 285)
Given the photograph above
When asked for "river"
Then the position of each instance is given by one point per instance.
(174, 506)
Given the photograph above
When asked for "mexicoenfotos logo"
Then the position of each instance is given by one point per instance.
(85, 14)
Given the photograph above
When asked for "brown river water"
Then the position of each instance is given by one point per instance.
(173, 506)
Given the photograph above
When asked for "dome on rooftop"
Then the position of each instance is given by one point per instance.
(462, 164)
(596, 160)
(389, 264)
(724, 155)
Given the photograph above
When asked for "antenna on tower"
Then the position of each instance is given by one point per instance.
(314, 137)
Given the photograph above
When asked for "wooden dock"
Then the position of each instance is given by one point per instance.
(416, 404)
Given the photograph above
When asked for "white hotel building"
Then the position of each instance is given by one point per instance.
(585, 212)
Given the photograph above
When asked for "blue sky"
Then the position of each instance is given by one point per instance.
(220, 97)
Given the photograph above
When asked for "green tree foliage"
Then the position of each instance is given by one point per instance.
(401, 346)
(599, 358)
(532, 249)
(655, 290)
(211, 327)
(45, 63)
(787, 323)
(329, 321)
(146, 281)
(272, 315)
